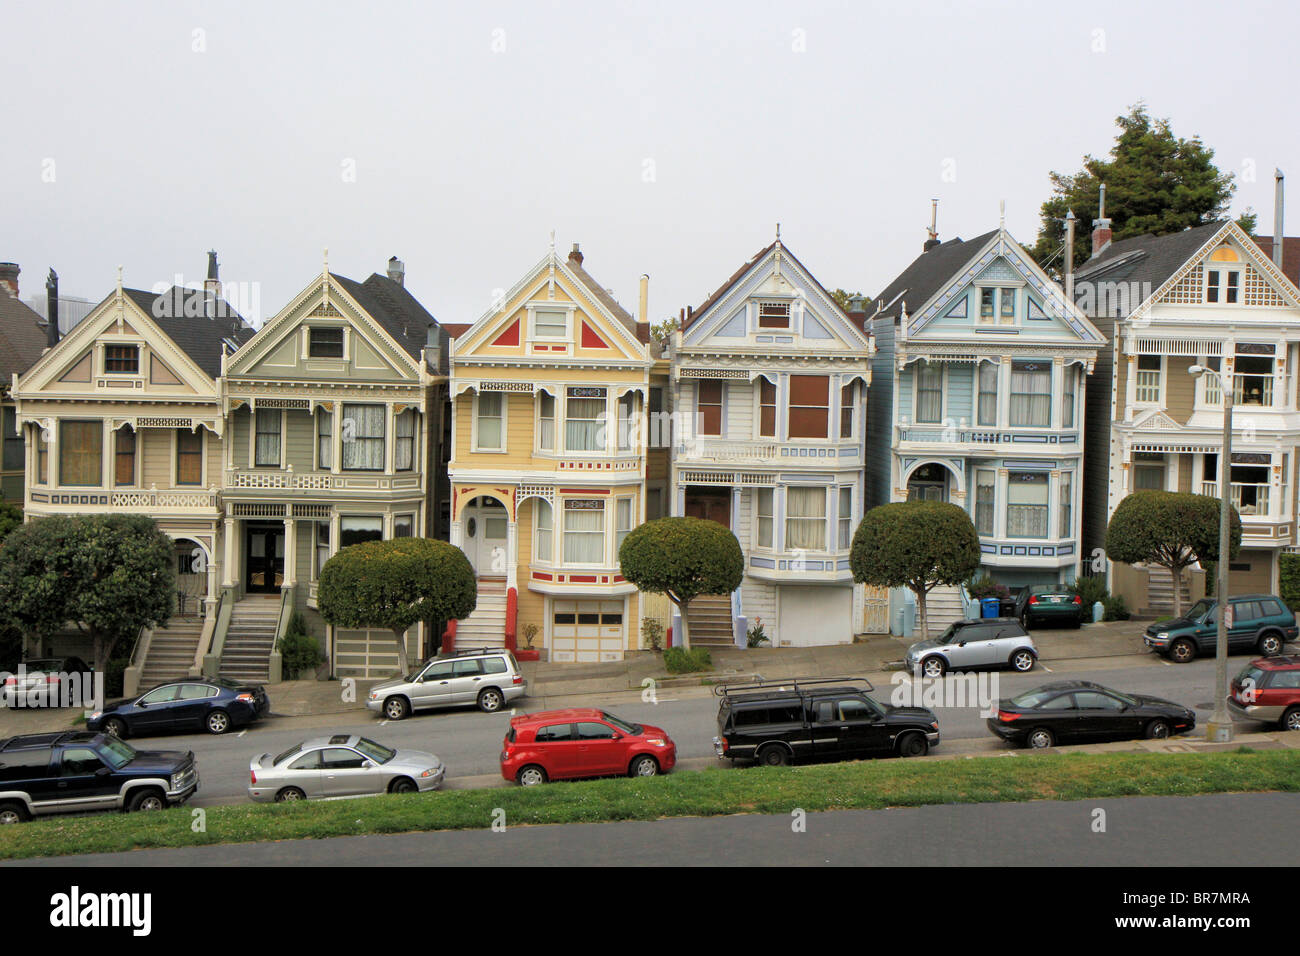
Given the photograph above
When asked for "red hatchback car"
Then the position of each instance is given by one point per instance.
(1268, 689)
(582, 742)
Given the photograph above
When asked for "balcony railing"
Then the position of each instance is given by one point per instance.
(1249, 500)
(320, 481)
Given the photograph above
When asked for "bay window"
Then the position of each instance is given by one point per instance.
(805, 519)
(1031, 394)
(322, 546)
(404, 450)
(584, 419)
(1068, 398)
(356, 529)
(1067, 499)
(848, 406)
(985, 491)
(845, 518)
(42, 456)
(627, 432)
(810, 401)
(622, 522)
(584, 531)
(324, 439)
(363, 437)
(546, 421)
(81, 448)
(403, 526)
(988, 393)
(766, 409)
(763, 513)
(542, 547)
(1027, 504)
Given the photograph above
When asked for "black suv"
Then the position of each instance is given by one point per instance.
(776, 722)
(73, 772)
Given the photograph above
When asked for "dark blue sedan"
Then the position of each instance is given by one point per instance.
(194, 703)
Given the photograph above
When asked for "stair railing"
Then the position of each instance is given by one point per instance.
(212, 659)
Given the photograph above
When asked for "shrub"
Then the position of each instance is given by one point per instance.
(1116, 610)
(652, 633)
(299, 650)
(1289, 583)
(1091, 590)
(984, 586)
(755, 637)
(530, 634)
(680, 660)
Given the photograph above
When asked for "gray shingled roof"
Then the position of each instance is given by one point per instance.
(203, 339)
(22, 337)
(601, 294)
(389, 303)
(928, 273)
(1145, 259)
(740, 274)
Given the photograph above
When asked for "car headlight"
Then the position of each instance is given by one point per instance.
(176, 781)
(432, 772)
(374, 695)
(657, 742)
(96, 715)
(1162, 636)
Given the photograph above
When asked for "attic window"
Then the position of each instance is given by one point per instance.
(774, 315)
(122, 359)
(325, 343)
(550, 324)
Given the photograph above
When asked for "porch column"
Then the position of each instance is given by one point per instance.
(290, 552)
(210, 602)
(1000, 505)
(1130, 385)
(1004, 393)
(1058, 392)
(512, 552)
(228, 566)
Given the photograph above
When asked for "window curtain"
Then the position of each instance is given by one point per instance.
(988, 398)
(845, 517)
(984, 492)
(929, 392)
(1031, 396)
(623, 523)
(489, 420)
(584, 418)
(545, 524)
(80, 446)
(763, 506)
(1027, 505)
(1066, 501)
(324, 439)
(267, 451)
(365, 450)
(584, 535)
(546, 422)
(805, 521)
(404, 452)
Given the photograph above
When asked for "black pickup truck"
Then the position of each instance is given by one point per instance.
(827, 718)
(75, 771)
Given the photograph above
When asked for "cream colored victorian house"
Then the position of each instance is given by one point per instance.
(332, 443)
(549, 463)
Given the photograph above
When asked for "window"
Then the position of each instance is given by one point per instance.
(81, 445)
(1148, 472)
(13, 442)
(1213, 385)
(848, 405)
(189, 457)
(1007, 306)
(626, 419)
(324, 439)
(267, 441)
(404, 450)
(1067, 500)
(1091, 700)
(584, 531)
(592, 730)
(986, 306)
(1223, 282)
(623, 521)
(929, 392)
(584, 419)
(363, 437)
(988, 393)
(322, 546)
(42, 456)
(325, 343)
(985, 492)
(546, 421)
(1253, 379)
(845, 518)
(1031, 394)
(1027, 504)
(543, 550)
(774, 315)
(341, 758)
(79, 762)
(766, 408)
(1067, 408)
(550, 324)
(805, 519)
(763, 512)
(1148, 379)
(122, 359)
(810, 397)
(359, 528)
(554, 732)
(124, 456)
(489, 421)
(708, 398)
(403, 526)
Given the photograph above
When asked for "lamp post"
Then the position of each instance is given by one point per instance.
(1219, 727)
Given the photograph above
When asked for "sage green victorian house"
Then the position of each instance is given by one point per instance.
(334, 419)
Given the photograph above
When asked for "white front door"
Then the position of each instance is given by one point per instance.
(485, 538)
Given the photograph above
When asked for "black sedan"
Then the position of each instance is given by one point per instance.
(1084, 712)
(194, 703)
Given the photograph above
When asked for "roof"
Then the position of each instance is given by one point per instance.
(740, 273)
(1148, 260)
(457, 329)
(600, 293)
(1279, 662)
(1290, 254)
(571, 713)
(22, 337)
(928, 273)
(389, 303)
(203, 339)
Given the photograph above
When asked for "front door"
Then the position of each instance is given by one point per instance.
(486, 525)
(264, 559)
(928, 483)
(710, 504)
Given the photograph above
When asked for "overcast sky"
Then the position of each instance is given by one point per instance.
(665, 138)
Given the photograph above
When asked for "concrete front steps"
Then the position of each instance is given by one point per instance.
(486, 627)
(1160, 592)
(251, 638)
(709, 622)
(943, 605)
(171, 652)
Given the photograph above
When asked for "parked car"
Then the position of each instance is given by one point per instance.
(1268, 689)
(195, 703)
(76, 771)
(1080, 710)
(1260, 622)
(344, 765)
(582, 742)
(828, 718)
(42, 679)
(487, 678)
(968, 645)
(1049, 604)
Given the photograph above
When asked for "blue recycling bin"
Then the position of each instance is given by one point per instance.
(990, 606)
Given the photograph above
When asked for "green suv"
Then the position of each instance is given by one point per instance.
(1259, 623)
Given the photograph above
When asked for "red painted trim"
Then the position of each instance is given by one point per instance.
(668, 636)
(512, 617)
(583, 491)
(539, 576)
(619, 579)
(509, 337)
(591, 338)
(449, 638)
(582, 579)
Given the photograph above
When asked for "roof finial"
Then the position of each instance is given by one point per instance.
(778, 232)
(119, 282)
(552, 243)
(325, 259)
(1002, 214)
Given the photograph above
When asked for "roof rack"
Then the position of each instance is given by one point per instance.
(796, 684)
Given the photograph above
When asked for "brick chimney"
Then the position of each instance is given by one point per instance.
(397, 270)
(575, 255)
(1101, 232)
(9, 277)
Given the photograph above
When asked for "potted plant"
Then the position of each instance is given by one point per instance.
(528, 652)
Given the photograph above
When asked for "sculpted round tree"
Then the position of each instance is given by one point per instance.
(917, 545)
(682, 558)
(395, 584)
(1172, 529)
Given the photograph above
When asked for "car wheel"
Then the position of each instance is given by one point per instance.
(643, 766)
(531, 776)
(290, 795)
(933, 666)
(1157, 730)
(115, 727)
(1182, 651)
(1040, 738)
(402, 785)
(1291, 719)
(218, 722)
(774, 755)
(12, 812)
(1270, 644)
(1023, 661)
(490, 700)
(913, 745)
(147, 800)
(396, 708)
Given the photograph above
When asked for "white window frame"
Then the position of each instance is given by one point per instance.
(540, 419)
(1137, 382)
(541, 556)
(176, 459)
(844, 518)
(563, 419)
(604, 533)
(916, 391)
(323, 464)
(252, 439)
(622, 503)
(992, 486)
(474, 424)
(534, 310)
(770, 517)
(825, 519)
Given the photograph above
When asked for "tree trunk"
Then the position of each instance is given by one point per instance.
(686, 637)
(402, 662)
(1176, 576)
(921, 613)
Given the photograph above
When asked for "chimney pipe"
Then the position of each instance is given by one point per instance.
(212, 284)
(1101, 231)
(932, 234)
(1069, 255)
(643, 308)
(397, 271)
(1278, 231)
(9, 277)
(575, 254)
(52, 309)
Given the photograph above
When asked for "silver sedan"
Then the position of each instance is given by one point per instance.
(344, 765)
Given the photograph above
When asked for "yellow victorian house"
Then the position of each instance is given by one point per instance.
(548, 471)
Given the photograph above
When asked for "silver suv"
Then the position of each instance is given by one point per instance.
(971, 645)
(487, 678)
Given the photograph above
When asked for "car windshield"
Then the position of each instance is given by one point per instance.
(622, 725)
(116, 752)
(43, 665)
(1035, 698)
(947, 636)
(292, 751)
(376, 752)
(1250, 673)
(1200, 609)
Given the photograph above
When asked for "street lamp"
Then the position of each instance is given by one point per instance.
(1219, 727)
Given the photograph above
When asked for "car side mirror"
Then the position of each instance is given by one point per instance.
(367, 765)
(142, 703)
(102, 772)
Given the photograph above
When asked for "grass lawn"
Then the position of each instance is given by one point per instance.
(859, 785)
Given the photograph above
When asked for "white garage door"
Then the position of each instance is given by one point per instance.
(585, 631)
(811, 616)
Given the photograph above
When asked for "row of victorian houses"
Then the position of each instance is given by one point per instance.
(538, 436)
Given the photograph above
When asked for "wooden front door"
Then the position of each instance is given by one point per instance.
(709, 504)
(263, 559)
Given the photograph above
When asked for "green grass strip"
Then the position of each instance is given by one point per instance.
(858, 785)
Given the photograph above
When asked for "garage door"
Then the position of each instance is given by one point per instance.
(585, 631)
(811, 616)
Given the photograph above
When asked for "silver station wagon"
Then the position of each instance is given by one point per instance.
(975, 645)
(486, 678)
(344, 765)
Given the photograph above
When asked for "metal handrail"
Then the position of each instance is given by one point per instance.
(725, 690)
